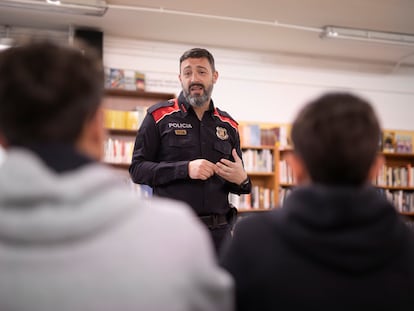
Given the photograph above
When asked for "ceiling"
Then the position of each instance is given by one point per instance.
(280, 27)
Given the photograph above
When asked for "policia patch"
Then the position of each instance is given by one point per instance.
(221, 133)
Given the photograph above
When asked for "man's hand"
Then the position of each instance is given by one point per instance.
(232, 171)
(201, 169)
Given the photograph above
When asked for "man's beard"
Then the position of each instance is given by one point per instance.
(198, 100)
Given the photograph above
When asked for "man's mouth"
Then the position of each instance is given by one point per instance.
(196, 88)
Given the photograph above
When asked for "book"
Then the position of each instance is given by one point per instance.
(139, 80)
(388, 142)
(403, 143)
(269, 136)
(116, 78)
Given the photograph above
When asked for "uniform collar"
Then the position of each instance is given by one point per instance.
(185, 106)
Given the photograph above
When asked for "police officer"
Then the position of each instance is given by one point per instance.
(188, 149)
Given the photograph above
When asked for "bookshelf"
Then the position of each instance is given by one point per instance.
(395, 180)
(259, 145)
(259, 162)
(124, 112)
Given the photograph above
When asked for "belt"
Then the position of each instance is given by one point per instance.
(214, 220)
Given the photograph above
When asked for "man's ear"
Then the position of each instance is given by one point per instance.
(215, 76)
(300, 173)
(91, 140)
(376, 167)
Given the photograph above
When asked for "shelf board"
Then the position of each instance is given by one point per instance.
(122, 132)
(283, 184)
(411, 214)
(138, 94)
(258, 147)
(118, 165)
(254, 210)
(397, 155)
(395, 188)
(253, 174)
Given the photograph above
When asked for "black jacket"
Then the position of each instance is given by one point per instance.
(326, 249)
(170, 136)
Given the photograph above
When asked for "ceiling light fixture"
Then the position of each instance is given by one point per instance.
(5, 41)
(77, 7)
(56, 2)
(367, 35)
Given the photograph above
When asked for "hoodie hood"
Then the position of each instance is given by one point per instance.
(350, 229)
(39, 205)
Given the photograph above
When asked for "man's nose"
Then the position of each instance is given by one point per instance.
(194, 77)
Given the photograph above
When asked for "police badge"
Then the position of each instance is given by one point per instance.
(221, 133)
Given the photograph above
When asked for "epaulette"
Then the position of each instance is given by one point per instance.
(162, 109)
(225, 117)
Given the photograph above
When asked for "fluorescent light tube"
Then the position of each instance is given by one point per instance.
(367, 35)
(77, 7)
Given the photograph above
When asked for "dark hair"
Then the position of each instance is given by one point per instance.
(47, 92)
(198, 53)
(336, 136)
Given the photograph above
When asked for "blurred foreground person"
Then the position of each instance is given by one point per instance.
(72, 236)
(336, 244)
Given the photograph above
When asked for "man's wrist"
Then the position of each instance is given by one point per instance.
(245, 182)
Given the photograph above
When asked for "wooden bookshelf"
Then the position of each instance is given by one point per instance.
(126, 101)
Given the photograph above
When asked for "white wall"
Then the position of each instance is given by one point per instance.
(257, 87)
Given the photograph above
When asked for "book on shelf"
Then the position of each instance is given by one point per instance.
(258, 160)
(124, 120)
(395, 176)
(402, 200)
(139, 80)
(388, 141)
(118, 150)
(403, 143)
(129, 76)
(117, 78)
(269, 136)
(249, 135)
(259, 198)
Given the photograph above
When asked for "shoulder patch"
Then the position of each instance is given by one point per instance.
(160, 110)
(225, 117)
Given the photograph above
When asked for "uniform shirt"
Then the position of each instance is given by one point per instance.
(171, 135)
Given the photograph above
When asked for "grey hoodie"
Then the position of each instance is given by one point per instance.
(81, 241)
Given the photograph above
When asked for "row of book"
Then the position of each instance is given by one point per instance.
(116, 78)
(402, 176)
(259, 198)
(118, 150)
(258, 160)
(395, 142)
(124, 120)
(402, 200)
(254, 135)
(286, 173)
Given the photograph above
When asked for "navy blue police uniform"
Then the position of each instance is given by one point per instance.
(170, 136)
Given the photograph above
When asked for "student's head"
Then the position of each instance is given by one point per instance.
(51, 94)
(197, 76)
(336, 139)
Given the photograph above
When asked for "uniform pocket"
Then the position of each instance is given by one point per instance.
(224, 148)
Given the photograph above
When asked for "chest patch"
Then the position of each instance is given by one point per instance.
(180, 132)
(221, 133)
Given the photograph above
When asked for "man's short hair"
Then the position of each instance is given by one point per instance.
(336, 136)
(198, 53)
(47, 92)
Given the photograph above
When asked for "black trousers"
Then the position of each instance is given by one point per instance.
(220, 235)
